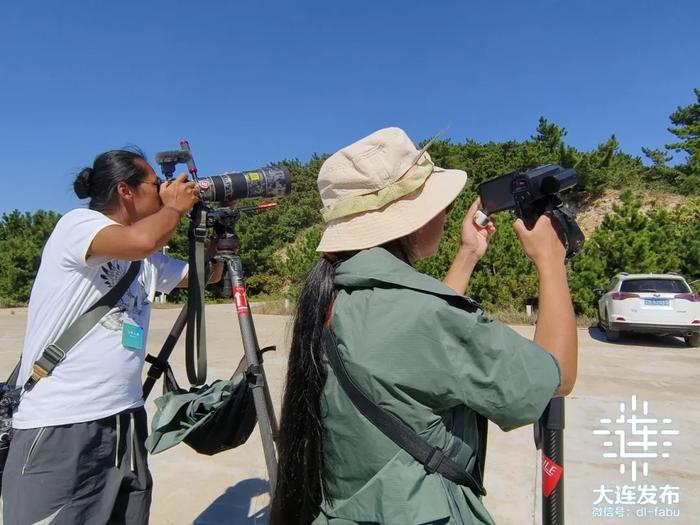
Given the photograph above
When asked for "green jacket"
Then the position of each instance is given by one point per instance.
(433, 365)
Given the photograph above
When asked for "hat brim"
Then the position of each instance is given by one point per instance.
(397, 219)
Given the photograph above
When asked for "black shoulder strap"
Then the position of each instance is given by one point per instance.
(432, 458)
(56, 352)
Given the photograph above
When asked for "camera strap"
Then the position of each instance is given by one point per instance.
(432, 458)
(195, 334)
(56, 352)
(159, 364)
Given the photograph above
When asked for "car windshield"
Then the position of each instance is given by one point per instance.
(654, 285)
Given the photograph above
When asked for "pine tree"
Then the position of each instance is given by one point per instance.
(687, 128)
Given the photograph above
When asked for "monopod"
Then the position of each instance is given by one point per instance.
(549, 437)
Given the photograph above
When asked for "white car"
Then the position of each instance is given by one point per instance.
(661, 304)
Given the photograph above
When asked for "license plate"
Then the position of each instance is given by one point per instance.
(656, 302)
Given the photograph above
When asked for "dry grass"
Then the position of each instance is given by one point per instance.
(518, 317)
(513, 317)
(166, 306)
(272, 307)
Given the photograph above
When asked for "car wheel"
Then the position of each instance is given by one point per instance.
(693, 340)
(612, 335)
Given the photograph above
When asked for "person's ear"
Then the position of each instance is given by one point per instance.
(125, 192)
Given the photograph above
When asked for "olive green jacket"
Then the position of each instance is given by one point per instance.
(433, 365)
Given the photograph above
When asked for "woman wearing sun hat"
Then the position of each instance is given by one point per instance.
(414, 345)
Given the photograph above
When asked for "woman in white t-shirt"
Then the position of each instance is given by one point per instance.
(77, 455)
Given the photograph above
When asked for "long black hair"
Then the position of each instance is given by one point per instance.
(100, 181)
(300, 480)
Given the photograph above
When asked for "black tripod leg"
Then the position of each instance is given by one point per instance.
(242, 366)
(270, 409)
(157, 369)
(261, 394)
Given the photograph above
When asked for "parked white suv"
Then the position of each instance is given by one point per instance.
(661, 304)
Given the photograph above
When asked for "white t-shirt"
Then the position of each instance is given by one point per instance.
(99, 376)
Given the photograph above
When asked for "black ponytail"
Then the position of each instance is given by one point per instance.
(109, 169)
(300, 479)
(300, 475)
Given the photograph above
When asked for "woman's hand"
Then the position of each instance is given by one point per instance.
(179, 194)
(473, 243)
(475, 239)
(541, 244)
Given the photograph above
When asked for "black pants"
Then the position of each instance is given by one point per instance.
(84, 473)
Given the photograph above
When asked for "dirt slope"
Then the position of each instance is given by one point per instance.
(590, 217)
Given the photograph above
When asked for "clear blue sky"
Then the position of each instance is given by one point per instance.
(253, 82)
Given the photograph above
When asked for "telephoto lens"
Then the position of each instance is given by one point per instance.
(273, 181)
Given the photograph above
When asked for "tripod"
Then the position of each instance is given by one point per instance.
(267, 422)
(224, 190)
(223, 221)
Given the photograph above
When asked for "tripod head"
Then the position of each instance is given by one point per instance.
(223, 221)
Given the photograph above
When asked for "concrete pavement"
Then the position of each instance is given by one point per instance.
(231, 488)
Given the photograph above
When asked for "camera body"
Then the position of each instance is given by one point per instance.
(532, 193)
(526, 191)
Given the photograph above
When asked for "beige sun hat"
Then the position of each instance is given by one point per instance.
(381, 188)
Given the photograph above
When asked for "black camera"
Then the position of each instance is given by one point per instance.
(526, 190)
(272, 181)
(532, 193)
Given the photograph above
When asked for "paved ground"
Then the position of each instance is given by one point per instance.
(231, 487)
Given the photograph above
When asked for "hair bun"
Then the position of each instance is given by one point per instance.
(83, 183)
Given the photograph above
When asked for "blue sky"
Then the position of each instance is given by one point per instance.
(249, 83)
